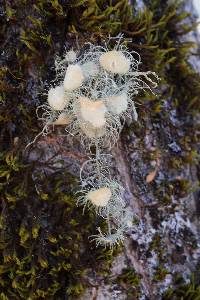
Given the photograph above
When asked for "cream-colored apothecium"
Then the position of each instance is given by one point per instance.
(63, 119)
(117, 104)
(93, 111)
(115, 62)
(100, 197)
(56, 98)
(73, 77)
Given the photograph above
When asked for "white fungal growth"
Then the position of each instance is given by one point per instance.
(93, 111)
(73, 77)
(63, 119)
(117, 104)
(100, 197)
(115, 62)
(56, 98)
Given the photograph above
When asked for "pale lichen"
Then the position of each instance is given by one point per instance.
(94, 97)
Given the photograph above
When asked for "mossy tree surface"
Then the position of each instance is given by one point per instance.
(45, 252)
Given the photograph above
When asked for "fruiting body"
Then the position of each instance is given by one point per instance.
(56, 98)
(100, 197)
(73, 77)
(93, 111)
(114, 62)
(117, 104)
(63, 119)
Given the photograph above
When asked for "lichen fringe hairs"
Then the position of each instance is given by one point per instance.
(92, 95)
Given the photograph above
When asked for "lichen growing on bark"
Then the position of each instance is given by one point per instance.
(95, 94)
(36, 259)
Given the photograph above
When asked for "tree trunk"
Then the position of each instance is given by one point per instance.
(44, 236)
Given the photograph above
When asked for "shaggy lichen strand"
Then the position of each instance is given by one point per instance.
(90, 102)
(95, 121)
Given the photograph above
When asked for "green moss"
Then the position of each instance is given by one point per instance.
(104, 259)
(129, 281)
(190, 291)
(160, 273)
